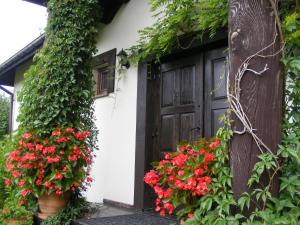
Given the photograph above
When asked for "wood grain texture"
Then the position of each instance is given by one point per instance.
(251, 28)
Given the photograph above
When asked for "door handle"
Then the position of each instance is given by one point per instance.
(155, 133)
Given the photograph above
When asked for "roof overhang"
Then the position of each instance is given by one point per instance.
(8, 68)
(109, 7)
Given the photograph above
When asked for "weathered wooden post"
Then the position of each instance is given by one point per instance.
(256, 86)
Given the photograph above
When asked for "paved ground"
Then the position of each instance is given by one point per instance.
(112, 215)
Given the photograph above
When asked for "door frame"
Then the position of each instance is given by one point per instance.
(143, 120)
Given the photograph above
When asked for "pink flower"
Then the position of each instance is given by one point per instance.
(89, 179)
(26, 135)
(180, 173)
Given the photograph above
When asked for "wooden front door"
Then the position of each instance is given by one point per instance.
(186, 98)
(179, 104)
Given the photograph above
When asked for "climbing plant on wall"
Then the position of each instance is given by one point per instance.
(57, 90)
(176, 19)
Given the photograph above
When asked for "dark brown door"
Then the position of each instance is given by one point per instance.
(179, 104)
(185, 99)
(215, 80)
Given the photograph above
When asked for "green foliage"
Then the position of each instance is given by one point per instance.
(12, 210)
(177, 18)
(76, 208)
(6, 146)
(57, 91)
(215, 208)
(4, 115)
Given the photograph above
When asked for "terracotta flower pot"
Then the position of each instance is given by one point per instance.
(51, 205)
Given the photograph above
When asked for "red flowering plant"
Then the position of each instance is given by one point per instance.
(182, 177)
(58, 164)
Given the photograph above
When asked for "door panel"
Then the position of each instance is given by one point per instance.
(187, 85)
(180, 103)
(167, 132)
(168, 85)
(215, 89)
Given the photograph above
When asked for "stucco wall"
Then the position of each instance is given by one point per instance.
(113, 169)
(17, 85)
(116, 114)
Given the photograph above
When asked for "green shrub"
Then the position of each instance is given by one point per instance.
(4, 115)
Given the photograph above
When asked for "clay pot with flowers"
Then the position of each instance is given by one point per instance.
(51, 168)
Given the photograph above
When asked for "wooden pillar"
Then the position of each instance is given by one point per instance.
(252, 28)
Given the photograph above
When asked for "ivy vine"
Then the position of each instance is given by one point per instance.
(58, 88)
(176, 19)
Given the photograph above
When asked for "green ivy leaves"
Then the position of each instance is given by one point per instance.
(58, 88)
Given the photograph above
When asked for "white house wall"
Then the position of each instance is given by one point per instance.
(114, 167)
(19, 76)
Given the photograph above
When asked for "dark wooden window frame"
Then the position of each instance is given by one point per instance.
(143, 124)
(104, 69)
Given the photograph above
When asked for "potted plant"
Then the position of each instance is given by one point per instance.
(51, 168)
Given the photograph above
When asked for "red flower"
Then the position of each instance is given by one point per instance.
(179, 160)
(58, 192)
(208, 157)
(56, 133)
(81, 136)
(215, 144)
(62, 139)
(22, 183)
(168, 193)
(162, 213)
(180, 173)
(26, 135)
(69, 130)
(151, 178)
(169, 207)
(190, 215)
(7, 182)
(179, 184)
(89, 179)
(25, 192)
(167, 155)
(159, 191)
(182, 148)
(198, 172)
(29, 156)
(52, 160)
(16, 173)
(58, 176)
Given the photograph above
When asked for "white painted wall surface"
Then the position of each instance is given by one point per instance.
(19, 76)
(114, 167)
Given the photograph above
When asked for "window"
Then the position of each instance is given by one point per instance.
(104, 73)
